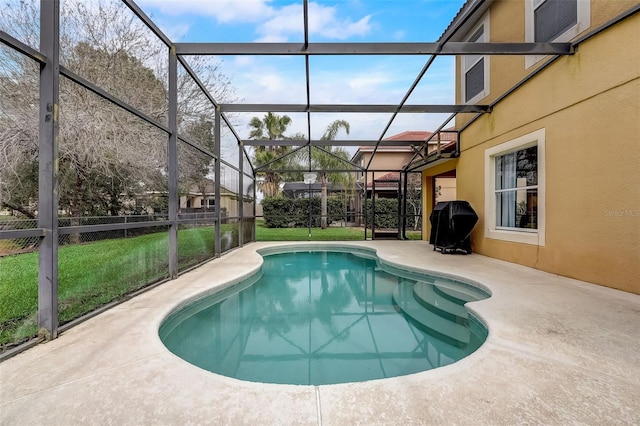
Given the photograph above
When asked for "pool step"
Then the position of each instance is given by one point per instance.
(403, 296)
(458, 294)
(427, 296)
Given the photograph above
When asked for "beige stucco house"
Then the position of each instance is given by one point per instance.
(388, 158)
(202, 198)
(553, 171)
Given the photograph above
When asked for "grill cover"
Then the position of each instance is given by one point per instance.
(451, 225)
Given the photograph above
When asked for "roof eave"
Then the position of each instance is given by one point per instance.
(480, 6)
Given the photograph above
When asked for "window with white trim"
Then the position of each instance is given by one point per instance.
(475, 68)
(514, 191)
(554, 21)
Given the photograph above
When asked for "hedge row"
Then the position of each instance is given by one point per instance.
(281, 212)
(386, 213)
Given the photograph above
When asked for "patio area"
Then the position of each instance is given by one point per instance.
(559, 351)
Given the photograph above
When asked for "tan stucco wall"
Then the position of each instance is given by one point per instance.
(385, 160)
(428, 180)
(506, 24)
(226, 201)
(589, 106)
(447, 189)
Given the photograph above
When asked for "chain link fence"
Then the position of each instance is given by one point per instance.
(89, 236)
(18, 245)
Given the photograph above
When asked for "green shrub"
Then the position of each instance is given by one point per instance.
(276, 211)
(386, 213)
(281, 212)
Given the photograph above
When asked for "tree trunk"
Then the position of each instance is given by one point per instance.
(323, 201)
(20, 209)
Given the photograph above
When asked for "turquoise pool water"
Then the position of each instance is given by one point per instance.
(323, 317)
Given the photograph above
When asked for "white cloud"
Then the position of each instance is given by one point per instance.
(368, 81)
(263, 85)
(223, 11)
(242, 61)
(175, 32)
(348, 80)
(399, 35)
(323, 22)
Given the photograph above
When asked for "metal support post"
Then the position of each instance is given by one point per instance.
(241, 195)
(373, 206)
(173, 163)
(364, 205)
(309, 208)
(405, 187)
(216, 151)
(48, 170)
(255, 219)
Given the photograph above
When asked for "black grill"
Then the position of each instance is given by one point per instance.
(451, 225)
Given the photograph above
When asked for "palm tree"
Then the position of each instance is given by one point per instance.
(271, 127)
(329, 158)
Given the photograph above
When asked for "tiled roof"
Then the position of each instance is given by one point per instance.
(446, 135)
(393, 176)
(411, 135)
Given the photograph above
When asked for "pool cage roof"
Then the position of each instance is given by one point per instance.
(448, 44)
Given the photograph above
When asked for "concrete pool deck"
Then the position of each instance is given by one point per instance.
(559, 351)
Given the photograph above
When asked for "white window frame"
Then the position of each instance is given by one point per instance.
(525, 236)
(583, 22)
(464, 67)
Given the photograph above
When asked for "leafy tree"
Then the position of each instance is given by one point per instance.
(331, 158)
(271, 127)
(194, 167)
(107, 157)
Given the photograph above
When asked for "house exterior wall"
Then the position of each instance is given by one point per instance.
(384, 160)
(227, 201)
(506, 24)
(446, 189)
(230, 203)
(588, 106)
(428, 185)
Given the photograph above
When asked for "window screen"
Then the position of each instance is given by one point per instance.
(554, 17)
(474, 80)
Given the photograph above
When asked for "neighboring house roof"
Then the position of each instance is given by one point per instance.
(389, 177)
(410, 135)
(388, 180)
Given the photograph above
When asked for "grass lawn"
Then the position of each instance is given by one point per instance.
(94, 274)
(302, 234)
(317, 234)
(91, 275)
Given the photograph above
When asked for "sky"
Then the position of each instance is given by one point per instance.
(334, 79)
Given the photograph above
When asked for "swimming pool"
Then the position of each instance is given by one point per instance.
(323, 317)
